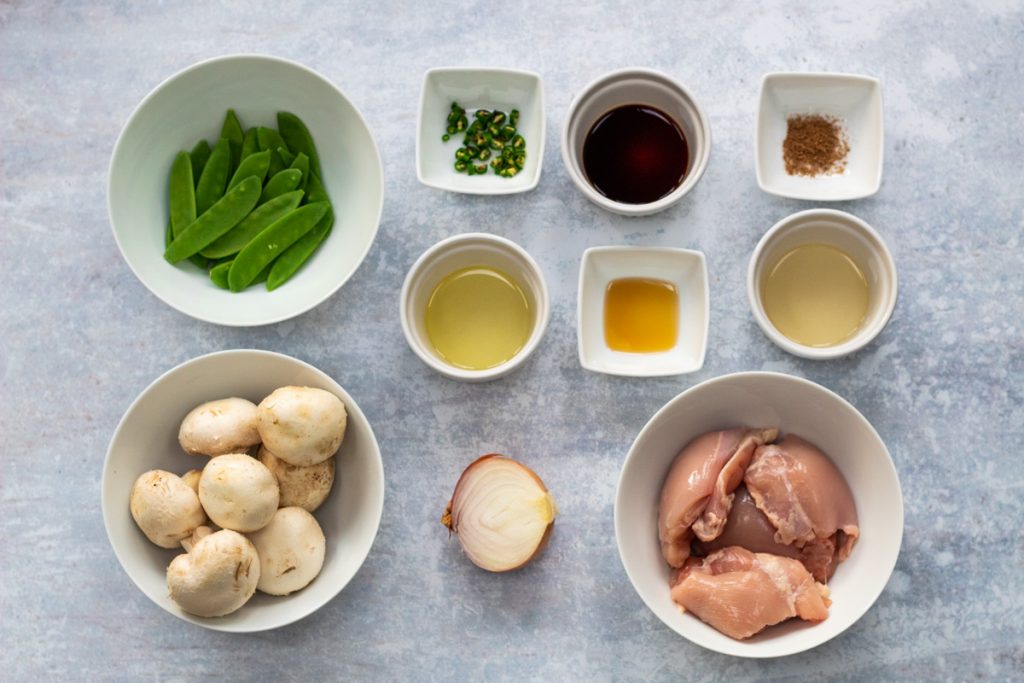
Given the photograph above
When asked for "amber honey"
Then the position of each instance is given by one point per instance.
(641, 315)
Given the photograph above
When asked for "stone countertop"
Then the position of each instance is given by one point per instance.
(80, 337)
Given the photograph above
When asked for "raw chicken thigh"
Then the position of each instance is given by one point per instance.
(748, 528)
(740, 593)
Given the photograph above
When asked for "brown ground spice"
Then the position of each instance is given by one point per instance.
(814, 145)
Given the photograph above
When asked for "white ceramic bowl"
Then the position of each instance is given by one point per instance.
(849, 234)
(478, 88)
(635, 86)
(190, 105)
(464, 251)
(856, 100)
(147, 438)
(796, 406)
(685, 269)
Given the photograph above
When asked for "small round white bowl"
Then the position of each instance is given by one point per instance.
(147, 438)
(464, 251)
(847, 233)
(635, 86)
(796, 406)
(190, 105)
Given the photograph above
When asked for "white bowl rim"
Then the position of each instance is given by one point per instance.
(632, 455)
(865, 335)
(497, 371)
(813, 196)
(224, 58)
(592, 367)
(106, 507)
(689, 182)
(483, 70)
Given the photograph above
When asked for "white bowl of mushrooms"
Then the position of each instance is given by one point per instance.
(242, 490)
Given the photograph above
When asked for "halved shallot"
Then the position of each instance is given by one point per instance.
(501, 512)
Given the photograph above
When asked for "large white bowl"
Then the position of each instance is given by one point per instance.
(147, 438)
(190, 105)
(796, 406)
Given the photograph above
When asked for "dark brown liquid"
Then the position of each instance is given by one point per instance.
(635, 154)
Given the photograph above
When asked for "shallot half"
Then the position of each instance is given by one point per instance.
(502, 513)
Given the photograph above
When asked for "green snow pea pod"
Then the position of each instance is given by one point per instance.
(232, 130)
(214, 179)
(270, 243)
(289, 262)
(283, 181)
(287, 157)
(301, 163)
(268, 138)
(222, 216)
(264, 274)
(253, 165)
(276, 163)
(295, 133)
(200, 155)
(256, 222)
(219, 274)
(249, 143)
(315, 191)
(181, 193)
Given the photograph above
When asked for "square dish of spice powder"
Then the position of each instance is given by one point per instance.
(820, 136)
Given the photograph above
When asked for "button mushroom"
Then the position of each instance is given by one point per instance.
(291, 551)
(219, 427)
(192, 479)
(238, 492)
(305, 487)
(165, 508)
(217, 577)
(302, 425)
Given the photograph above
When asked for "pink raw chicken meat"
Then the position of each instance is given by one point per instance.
(740, 593)
(748, 528)
(807, 500)
(697, 494)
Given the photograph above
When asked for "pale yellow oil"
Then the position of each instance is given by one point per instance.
(816, 295)
(478, 318)
(641, 315)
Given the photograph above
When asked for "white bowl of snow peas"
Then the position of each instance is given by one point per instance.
(245, 190)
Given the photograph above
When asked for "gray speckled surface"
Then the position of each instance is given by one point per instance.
(80, 337)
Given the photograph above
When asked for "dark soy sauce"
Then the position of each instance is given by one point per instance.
(635, 154)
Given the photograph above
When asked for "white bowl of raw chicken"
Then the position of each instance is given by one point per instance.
(795, 406)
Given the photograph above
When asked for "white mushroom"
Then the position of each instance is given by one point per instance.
(217, 577)
(238, 492)
(191, 478)
(199, 534)
(305, 487)
(302, 425)
(218, 427)
(291, 550)
(165, 508)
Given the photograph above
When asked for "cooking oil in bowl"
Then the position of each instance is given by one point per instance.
(816, 295)
(478, 318)
(641, 315)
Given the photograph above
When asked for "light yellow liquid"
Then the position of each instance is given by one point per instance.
(478, 318)
(816, 295)
(641, 315)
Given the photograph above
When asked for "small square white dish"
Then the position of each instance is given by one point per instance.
(478, 88)
(685, 269)
(855, 100)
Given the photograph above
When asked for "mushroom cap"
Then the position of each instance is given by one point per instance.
(191, 478)
(165, 508)
(291, 550)
(217, 577)
(227, 425)
(305, 487)
(302, 425)
(238, 492)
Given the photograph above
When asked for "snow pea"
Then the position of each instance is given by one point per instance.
(276, 163)
(283, 181)
(289, 262)
(287, 157)
(253, 165)
(256, 222)
(214, 179)
(225, 214)
(232, 130)
(295, 133)
(181, 193)
(315, 191)
(268, 138)
(301, 163)
(219, 274)
(200, 154)
(270, 243)
(249, 143)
